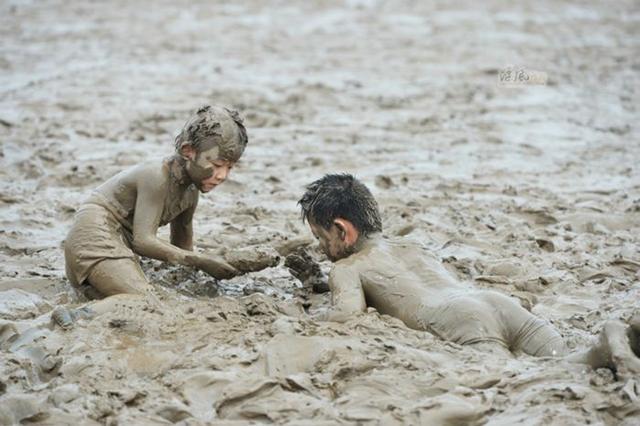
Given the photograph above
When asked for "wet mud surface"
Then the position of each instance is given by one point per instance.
(533, 191)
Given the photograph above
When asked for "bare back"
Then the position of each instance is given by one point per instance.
(402, 279)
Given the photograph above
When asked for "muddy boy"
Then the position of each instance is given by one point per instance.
(402, 279)
(121, 218)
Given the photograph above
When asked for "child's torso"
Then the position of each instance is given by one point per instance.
(119, 195)
(404, 280)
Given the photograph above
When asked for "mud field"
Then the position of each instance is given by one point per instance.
(531, 190)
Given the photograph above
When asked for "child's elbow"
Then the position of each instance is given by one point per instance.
(142, 245)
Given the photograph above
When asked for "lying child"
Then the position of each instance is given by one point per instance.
(405, 281)
(122, 216)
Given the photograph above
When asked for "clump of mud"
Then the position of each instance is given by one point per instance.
(251, 259)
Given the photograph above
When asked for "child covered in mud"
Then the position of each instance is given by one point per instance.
(403, 280)
(120, 219)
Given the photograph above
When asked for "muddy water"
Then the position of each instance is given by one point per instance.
(529, 190)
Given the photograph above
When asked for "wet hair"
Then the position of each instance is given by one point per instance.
(221, 125)
(341, 196)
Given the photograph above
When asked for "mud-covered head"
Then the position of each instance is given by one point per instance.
(215, 126)
(340, 209)
(210, 144)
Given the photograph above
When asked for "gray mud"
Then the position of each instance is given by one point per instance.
(531, 190)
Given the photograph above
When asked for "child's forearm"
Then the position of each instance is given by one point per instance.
(155, 248)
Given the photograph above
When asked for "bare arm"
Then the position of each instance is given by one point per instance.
(347, 295)
(151, 191)
(182, 229)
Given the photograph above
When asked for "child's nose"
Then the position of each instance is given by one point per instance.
(222, 173)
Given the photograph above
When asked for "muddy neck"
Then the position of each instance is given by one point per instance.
(367, 241)
(178, 170)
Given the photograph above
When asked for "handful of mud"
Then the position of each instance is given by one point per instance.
(252, 259)
(307, 270)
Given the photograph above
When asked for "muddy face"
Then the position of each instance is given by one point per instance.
(330, 242)
(207, 170)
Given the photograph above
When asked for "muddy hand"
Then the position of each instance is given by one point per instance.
(301, 265)
(304, 268)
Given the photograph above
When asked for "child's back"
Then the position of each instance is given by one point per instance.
(402, 279)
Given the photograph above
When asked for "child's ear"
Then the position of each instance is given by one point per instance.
(348, 232)
(188, 151)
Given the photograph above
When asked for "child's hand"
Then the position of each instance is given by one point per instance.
(304, 268)
(216, 267)
(301, 265)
